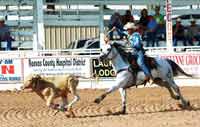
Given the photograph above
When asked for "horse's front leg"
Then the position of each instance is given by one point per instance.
(121, 82)
(123, 97)
(102, 96)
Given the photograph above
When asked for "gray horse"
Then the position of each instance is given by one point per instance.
(163, 75)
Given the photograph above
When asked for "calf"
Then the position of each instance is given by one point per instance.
(52, 87)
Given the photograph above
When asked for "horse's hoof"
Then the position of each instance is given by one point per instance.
(119, 113)
(97, 101)
(109, 111)
(180, 105)
(123, 112)
(177, 97)
(187, 105)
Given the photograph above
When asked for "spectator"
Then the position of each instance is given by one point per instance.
(50, 6)
(193, 33)
(179, 33)
(143, 22)
(5, 34)
(151, 32)
(139, 28)
(160, 31)
(144, 19)
(127, 17)
(115, 21)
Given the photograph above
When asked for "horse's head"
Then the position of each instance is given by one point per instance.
(108, 52)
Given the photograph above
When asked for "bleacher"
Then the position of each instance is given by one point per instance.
(22, 18)
(19, 17)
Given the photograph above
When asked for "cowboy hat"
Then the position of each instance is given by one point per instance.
(130, 25)
(178, 19)
(192, 20)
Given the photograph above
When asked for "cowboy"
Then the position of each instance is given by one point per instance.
(135, 40)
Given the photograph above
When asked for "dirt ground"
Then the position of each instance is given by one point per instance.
(146, 107)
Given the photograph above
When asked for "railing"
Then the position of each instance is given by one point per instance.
(95, 52)
(46, 53)
(178, 49)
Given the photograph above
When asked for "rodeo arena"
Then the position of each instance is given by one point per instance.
(100, 63)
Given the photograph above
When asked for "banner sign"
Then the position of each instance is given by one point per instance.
(13, 70)
(10, 70)
(102, 69)
(58, 66)
(190, 63)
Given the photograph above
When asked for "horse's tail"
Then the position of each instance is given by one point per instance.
(177, 69)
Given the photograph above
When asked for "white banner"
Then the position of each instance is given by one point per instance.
(190, 63)
(11, 71)
(57, 66)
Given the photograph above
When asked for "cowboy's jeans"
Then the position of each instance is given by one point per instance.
(142, 65)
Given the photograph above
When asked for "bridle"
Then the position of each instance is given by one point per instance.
(109, 51)
(106, 55)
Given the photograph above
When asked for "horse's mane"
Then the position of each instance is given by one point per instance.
(120, 48)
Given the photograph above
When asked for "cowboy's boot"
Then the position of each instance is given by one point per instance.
(151, 81)
(148, 79)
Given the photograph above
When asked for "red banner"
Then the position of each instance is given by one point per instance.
(189, 62)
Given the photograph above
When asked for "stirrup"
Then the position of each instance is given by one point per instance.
(151, 81)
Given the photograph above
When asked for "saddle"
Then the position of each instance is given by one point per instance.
(132, 59)
(149, 62)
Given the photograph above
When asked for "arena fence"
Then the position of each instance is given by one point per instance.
(15, 66)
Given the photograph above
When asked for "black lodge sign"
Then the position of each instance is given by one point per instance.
(102, 69)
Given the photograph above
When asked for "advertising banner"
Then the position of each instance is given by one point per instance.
(58, 66)
(190, 63)
(11, 70)
(102, 69)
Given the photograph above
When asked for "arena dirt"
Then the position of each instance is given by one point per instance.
(146, 107)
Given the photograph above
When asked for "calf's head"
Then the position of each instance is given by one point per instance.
(30, 81)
